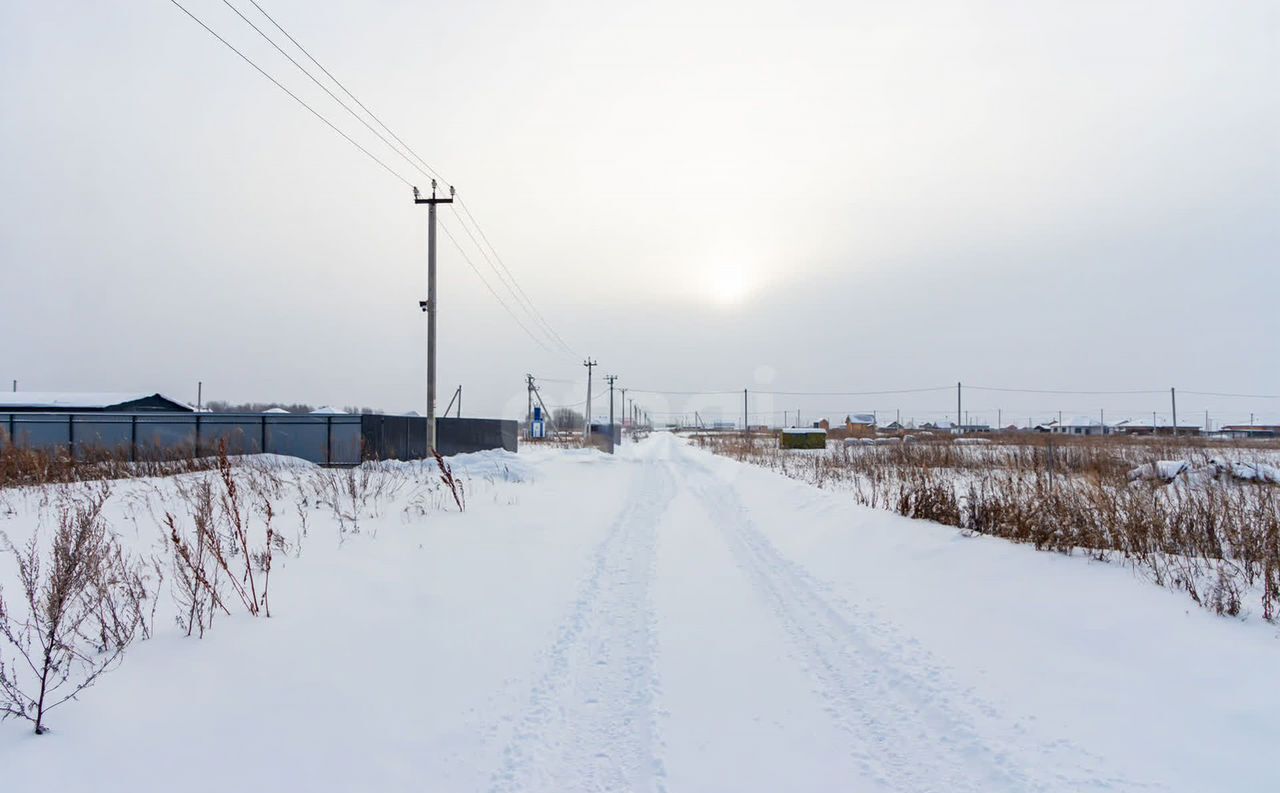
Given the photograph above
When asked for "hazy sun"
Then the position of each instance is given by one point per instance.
(727, 285)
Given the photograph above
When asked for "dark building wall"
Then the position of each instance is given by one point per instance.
(405, 437)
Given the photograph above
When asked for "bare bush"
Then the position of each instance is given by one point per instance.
(83, 603)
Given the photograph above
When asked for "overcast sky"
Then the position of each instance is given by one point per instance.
(803, 196)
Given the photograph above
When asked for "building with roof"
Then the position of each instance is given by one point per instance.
(90, 402)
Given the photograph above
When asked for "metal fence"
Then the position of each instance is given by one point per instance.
(326, 439)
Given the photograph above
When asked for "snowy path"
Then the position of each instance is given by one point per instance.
(590, 720)
(883, 714)
(665, 621)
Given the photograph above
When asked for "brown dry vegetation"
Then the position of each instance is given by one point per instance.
(21, 466)
(1216, 539)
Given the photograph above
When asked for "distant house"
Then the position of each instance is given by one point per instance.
(822, 425)
(1155, 425)
(1079, 426)
(100, 402)
(860, 421)
(1244, 431)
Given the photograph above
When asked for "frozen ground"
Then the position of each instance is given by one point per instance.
(667, 620)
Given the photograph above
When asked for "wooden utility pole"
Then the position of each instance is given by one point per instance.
(1173, 400)
(430, 305)
(746, 417)
(958, 413)
(586, 422)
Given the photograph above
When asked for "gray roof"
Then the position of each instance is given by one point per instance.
(73, 400)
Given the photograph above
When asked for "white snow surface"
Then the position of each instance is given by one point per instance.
(667, 620)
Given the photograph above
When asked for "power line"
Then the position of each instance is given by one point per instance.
(294, 96)
(1051, 391)
(513, 288)
(856, 393)
(433, 171)
(496, 296)
(321, 85)
(509, 281)
(516, 284)
(1232, 396)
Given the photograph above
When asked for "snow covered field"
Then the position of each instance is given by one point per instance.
(662, 620)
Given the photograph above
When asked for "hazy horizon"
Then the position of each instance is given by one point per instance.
(827, 197)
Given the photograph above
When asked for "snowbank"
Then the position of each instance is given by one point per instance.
(1216, 468)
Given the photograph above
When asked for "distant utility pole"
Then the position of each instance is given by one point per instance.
(430, 305)
(15, 389)
(624, 403)
(611, 378)
(958, 413)
(1173, 400)
(746, 420)
(199, 394)
(528, 416)
(586, 423)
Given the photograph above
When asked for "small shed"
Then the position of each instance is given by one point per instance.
(802, 438)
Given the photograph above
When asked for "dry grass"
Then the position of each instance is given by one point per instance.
(1216, 539)
(21, 466)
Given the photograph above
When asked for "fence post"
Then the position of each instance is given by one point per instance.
(328, 440)
(262, 443)
(197, 449)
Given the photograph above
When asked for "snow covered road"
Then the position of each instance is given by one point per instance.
(665, 620)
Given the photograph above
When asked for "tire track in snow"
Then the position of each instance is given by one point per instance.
(590, 725)
(907, 733)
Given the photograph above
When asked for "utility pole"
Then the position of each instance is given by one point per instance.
(958, 413)
(611, 378)
(528, 418)
(1173, 400)
(746, 419)
(430, 305)
(15, 389)
(586, 423)
(624, 402)
(199, 394)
